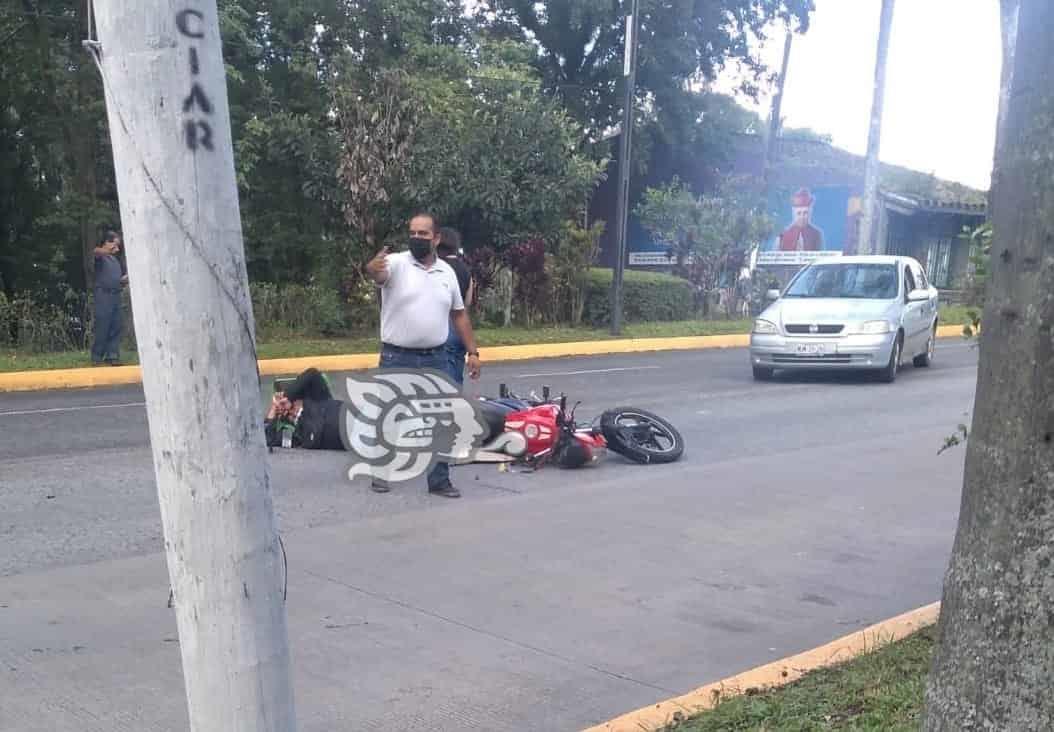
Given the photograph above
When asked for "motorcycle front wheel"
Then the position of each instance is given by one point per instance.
(641, 436)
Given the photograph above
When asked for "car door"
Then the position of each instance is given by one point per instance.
(929, 308)
(913, 317)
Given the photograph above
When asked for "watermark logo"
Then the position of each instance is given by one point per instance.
(398, 424)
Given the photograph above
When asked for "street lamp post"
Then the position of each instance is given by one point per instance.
(629, 73)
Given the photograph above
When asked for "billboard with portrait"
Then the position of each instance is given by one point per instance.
(811, 223)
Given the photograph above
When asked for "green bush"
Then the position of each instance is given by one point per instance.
(646, 296)
(301, 310)
(29, 322)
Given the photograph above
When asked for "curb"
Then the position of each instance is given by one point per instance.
(125, 375)
(772, 675)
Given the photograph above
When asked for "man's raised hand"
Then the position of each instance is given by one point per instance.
(378, 266)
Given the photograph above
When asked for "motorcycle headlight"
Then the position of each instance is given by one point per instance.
(874, 327)
(765, 327)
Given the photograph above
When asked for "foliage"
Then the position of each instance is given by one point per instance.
(297, 311)
(580, 46)
(709, 236)
(574, 251)
(497, 159)
(806, 134)
(378, 120)
(646, 296)
(979, 241)
(526, 261)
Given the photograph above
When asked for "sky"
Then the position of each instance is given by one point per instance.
(942, 82)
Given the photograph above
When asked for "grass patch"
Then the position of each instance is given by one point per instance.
(272, 346)
(957, 314)
(882, 690)
(276, 346)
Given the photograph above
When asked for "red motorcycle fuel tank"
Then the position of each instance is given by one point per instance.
(537, 424)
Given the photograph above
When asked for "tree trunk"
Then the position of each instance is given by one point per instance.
(1008, 14)
(996, 647)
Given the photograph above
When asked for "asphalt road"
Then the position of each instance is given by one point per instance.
(803, 509)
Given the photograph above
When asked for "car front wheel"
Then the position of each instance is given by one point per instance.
(889, 374)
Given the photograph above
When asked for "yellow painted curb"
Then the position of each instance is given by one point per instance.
(778, 673)
(123, 375)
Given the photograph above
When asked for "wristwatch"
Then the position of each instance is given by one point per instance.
(472, 353)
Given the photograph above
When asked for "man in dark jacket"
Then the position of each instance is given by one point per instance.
(449, 250)
(109, 279)
(305, 414)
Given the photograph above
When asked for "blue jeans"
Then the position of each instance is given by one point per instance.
(437, 360)
(455, 351)
(107, 325)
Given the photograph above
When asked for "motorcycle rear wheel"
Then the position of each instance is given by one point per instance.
(641, 436)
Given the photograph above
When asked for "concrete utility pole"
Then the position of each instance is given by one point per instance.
(874, 138)
(629, 71)
(777, 105)
(166, 100)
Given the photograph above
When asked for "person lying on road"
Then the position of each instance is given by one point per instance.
(305, 415)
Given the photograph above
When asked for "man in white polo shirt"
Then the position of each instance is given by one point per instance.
(420, 302)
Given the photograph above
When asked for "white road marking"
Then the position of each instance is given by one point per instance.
(71, 409)
(588, 371)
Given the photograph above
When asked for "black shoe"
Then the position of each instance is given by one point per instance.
(113, 361)
(379, 487)
(447, 490)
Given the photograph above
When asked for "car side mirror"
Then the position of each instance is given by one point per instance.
(918, 296)
(772, 295)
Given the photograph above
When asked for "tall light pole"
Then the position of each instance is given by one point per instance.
(867, 242)
(629, 73)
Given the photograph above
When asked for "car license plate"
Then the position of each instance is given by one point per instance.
(811, 349)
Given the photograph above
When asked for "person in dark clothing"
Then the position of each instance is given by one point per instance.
(305, 414)
(449, 249)
(109, 280)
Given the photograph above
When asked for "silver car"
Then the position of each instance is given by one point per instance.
(848, 313)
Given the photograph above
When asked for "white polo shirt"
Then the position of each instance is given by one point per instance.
(416, 302)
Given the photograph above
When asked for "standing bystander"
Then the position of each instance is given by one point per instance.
(109, 279)
(420, 302)
(449, 250)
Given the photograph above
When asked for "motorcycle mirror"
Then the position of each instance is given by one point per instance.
(503, 391)
(545, 393)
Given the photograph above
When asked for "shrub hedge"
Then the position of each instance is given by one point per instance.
(646, 296)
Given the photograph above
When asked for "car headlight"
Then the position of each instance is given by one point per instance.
(765, 327)
(874, 327)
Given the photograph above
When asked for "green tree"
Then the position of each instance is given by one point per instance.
(580, 46)
(708, 236)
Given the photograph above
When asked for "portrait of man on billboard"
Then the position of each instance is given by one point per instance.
(801, 235)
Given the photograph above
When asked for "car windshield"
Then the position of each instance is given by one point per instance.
(856, 281)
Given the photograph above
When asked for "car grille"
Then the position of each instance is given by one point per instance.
(814, 358)
(820, 329)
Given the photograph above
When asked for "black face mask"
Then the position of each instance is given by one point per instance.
(420, 248)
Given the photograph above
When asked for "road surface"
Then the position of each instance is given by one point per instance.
(802, 510)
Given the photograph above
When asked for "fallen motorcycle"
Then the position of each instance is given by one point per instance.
(537, 430)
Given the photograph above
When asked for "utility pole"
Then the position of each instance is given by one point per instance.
(867, 226)
(777, 104)
(166, 101)
(629, 73)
